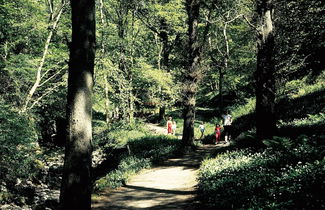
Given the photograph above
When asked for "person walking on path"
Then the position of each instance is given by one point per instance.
(169, 125)
(218, 133)
(227, 121)
(202, 128)
(174, 128)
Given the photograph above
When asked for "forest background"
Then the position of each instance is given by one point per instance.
(141, 75)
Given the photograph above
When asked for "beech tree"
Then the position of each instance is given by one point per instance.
(76, 181)
(265, 71)
(191, 74)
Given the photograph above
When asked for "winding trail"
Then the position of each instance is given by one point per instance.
(171, 185)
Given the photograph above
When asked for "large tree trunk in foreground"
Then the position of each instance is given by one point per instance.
(265, 81)
(76, 182)
(191, 77)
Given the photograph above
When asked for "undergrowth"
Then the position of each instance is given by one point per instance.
(288, 174)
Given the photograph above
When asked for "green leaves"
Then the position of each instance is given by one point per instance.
(18, 144)
(287, 176)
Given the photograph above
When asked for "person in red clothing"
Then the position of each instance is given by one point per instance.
(169, 125)
(218, 133)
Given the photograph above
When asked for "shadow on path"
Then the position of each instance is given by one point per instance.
(176, 192)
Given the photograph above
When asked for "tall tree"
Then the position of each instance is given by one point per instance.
(192, 72)
(76, 182)
(265, 72)
(53, 25)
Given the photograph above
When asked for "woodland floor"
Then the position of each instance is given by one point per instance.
(170, 185)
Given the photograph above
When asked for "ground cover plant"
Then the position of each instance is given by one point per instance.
(288, 174)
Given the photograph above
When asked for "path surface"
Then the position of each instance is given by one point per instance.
(172, 185)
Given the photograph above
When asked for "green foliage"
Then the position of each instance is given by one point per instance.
(241, 110)
(237, 73)
(278, 143)
(301, 87)
(286, 175)
(155, 148)
(18, 146)
(246, 139)
(119, 133)
(300, 55)
(307, 121)
(155, 87)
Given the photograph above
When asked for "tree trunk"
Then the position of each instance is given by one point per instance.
(130, 103)
(107, 112)
(191, 77)
(221, 74)
(224, 68)
(124, 64)
(164, 40)
(76, 181)
(165, 59)
(265, 79)
(102, 50)
(162, 111)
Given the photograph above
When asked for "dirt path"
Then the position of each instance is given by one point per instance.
(172, 185)
(157, 129)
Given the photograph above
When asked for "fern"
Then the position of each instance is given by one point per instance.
(278, 143)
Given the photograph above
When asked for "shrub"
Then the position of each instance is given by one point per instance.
(299, 186)
(118, 135)
(241, 110)
(156, 148)
(18, 145)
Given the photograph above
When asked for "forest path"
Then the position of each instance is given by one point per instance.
(171, 185)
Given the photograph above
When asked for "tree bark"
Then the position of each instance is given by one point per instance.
(162, 111)
(76, 181)
(265, 78)
(124, 65)
(191, 77)
(164, 39)
(221, 74)
(102, 52)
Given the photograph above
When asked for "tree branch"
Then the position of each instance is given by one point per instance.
(249, 23)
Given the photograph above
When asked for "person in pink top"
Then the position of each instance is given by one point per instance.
(218, 133)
